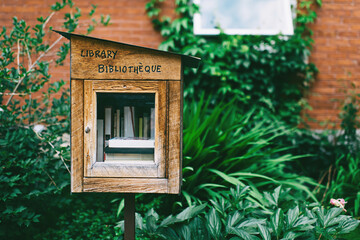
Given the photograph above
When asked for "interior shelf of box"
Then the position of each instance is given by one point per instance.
(129, 150)
(125, 124)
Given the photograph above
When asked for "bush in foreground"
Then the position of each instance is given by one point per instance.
(240, 214)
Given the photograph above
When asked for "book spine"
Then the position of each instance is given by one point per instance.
(118, 123)
(107, 123)
(152, 123)
(129, 128)
(122, 132)
(141, 127)
(129, 157)
(115, 125)
(135, 143)
(100, 140)
(146, 125)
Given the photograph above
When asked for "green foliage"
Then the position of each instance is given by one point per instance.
(34, 126)
(82, 224)
(222, 146)
(333, 155)
(269, 71)
(350, 121)
(345, 183)
(232, 215)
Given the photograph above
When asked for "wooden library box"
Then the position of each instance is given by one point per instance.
(126, 117)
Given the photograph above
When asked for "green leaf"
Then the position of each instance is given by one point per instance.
(151, 223)
(291, 216)
(264, 232)
(168, 221)
(276, 222)
(242, 234)
(190, 212)
(120, 208)
(349, 226)
(234, 219)
(227, 178)
(320, 214)
(214, 224)
(331, 214)
(186, 214)
(303, 224)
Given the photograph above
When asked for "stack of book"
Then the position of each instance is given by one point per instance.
(126, 133)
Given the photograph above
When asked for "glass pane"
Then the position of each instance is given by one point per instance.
(246, 16)
(125, 127)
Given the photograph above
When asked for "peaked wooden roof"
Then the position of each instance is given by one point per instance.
(188, 61)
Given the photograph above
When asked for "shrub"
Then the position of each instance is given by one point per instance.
(235, 214)
(83, 223)
(223, 145)
(34, 145)
(344, 181)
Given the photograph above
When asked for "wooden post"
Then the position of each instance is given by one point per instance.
(129, 217)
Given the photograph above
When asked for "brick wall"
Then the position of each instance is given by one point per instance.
(336, 53)
(129, 23)
(336, 35)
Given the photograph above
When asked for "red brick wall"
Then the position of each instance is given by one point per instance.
(336, 35)
(336, 53)
(129, 22)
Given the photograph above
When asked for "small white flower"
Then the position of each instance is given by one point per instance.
(38, 128)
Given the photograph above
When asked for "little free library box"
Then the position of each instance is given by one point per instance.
(126, 117)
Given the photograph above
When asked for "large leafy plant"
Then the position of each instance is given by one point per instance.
(223, 145)
(234, 214)
(34, 144)
(344, 181)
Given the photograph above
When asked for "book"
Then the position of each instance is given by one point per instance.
(122, 132)
(131, 143)
(141, 128)
(107, 123)
(152, 123)
(100, 140)
(117, 123)
(146, 125)
(129, 124)
(128, 157)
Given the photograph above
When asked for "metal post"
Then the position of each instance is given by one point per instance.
(129, 213)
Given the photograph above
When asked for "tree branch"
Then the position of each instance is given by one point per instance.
(31, 68)
(58, 152)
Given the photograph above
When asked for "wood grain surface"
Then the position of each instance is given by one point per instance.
(121, 169)
(96, 59)
(77, 135)
(109, 67)
(126, 185)
(174, 123)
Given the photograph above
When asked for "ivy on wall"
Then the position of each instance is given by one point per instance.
(268, 71)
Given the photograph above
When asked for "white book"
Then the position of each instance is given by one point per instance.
(126, 143)
(128, 157)
(129, 125)
(100, 140)
(146, 126)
